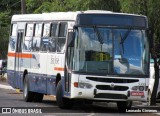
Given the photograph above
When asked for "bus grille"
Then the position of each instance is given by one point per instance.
(115, 88)
(110, 96)
(112, 80)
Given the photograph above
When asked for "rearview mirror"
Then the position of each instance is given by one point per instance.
(71, 38)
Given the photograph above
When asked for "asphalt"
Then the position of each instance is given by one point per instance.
(5, 85)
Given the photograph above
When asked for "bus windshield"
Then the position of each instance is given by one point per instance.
(111, 51)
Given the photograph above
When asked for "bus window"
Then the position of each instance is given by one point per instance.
(27, 44)
(46, 30)
(36, 44)
(37, 37)
(61, 37)
(44, 44)
(52, 45)
(52, 41)
(12, 41)
(28, 37)
(38, 30)
(29, 30)
(54, 30)
(14, 30)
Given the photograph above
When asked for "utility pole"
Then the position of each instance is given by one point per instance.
(23, 7)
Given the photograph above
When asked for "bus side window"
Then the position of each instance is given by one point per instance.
(37, 37)
(44, 44)
(52, 41)
(28, 37)
(36, 44)
(27, 44)
(61, 37)
(12, 41)
(46, 30)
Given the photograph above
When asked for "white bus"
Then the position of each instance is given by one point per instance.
(89, 55)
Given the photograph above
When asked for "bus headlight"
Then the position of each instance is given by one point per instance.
(85, 85)
(139, 88)
(135, 88)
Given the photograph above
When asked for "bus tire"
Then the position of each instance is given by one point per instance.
(62, 102)
(38, 97)
(124, 105)
(27, 94)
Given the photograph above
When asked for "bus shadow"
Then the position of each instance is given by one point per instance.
(80, 107)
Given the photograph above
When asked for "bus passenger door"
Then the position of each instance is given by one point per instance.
(18, 58)
(68, 65)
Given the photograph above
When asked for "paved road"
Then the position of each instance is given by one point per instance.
(9, 98)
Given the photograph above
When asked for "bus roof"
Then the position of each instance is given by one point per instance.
(67, 16)
(70, 16)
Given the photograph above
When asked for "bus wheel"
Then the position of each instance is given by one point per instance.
(62, 102)
(27, 94)
(123, 105)
(38, 97)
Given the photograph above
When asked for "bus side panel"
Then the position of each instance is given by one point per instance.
(20, 82)
(32, 82)
(37, 83)
(55, 67)
(10, 69)
(11, 78)
(15, 79)
(51, 85)
(37, 75)
(25, 64)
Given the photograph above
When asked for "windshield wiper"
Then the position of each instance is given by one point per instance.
(100, 39)
(125, 36)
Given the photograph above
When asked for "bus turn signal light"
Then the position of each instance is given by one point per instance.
(75, 84)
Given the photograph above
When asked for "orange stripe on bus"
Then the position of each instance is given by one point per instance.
(20, 55)
(59, 68)
(11, 54)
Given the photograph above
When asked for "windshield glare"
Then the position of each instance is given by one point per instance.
(110, 51)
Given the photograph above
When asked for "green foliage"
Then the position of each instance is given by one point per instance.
(4, 34)
(39, 6)
(144, 7)
(150, 8)
(36, 6)
(7, 9)
(154, 14)
(45, 7)
(4, 19)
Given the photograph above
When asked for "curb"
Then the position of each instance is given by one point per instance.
(3, 83)
(6, 87)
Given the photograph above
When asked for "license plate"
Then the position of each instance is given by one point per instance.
(135, 93)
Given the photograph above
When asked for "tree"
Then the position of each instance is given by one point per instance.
(39, 6)
(154, 12)
(23, 6)
(7, 9)
(151, 9)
